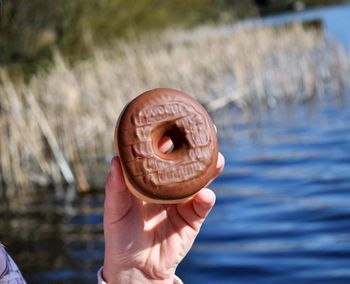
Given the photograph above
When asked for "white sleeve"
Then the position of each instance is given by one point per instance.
(9, 272)
(100, 280)
(177, 280)
(99, 277)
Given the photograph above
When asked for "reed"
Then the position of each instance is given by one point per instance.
(58, 128)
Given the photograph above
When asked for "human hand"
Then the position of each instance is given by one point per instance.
(145, 242)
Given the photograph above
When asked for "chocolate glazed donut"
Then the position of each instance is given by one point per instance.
(158, 177)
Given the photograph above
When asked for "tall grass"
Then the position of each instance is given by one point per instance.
(58, 128)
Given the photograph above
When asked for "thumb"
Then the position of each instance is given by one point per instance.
(118, 199)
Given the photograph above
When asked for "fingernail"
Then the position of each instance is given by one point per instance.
(221, 161)
(208, 197)
(113, 158)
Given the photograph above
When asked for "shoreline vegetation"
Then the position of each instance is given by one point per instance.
(57, 128)
(29, 30)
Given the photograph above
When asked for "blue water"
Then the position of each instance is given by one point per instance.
(335, 20)
(283, 206)
(282, 213)
(283, 203)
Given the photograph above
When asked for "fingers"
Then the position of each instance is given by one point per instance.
(196, 210)
(220, 164)
(166, 145)
(221, 161)
(118, 199)
(203, 202)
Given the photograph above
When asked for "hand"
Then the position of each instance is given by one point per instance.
(145, 242)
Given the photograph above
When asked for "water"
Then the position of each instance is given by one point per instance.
(282, 212)
(335, 20)
(283, 208)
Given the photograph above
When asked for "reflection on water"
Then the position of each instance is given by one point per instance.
(54, 242)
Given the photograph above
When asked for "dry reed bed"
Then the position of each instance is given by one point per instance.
(58, 128)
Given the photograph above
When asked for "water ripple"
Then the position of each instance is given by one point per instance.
(283, 205)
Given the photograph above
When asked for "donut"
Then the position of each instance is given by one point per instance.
(173, 177)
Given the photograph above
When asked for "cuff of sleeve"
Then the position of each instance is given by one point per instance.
(99, 277)
(100, 280)
(177, 280)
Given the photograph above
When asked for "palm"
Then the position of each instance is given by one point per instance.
(159, 237)
(149, 238)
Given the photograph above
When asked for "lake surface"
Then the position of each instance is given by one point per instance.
(282, 212)
(283, 208)
(335, 20)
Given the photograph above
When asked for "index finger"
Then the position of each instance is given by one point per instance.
(220, 164)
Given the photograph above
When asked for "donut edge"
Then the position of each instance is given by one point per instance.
(129, 184)
(137, 193)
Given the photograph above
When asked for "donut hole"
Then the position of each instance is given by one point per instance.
(169, 140)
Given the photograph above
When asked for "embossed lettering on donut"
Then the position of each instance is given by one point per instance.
(151, 174)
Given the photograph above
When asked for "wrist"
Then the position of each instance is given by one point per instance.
(134, 276)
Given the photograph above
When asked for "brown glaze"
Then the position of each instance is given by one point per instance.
(155, 176)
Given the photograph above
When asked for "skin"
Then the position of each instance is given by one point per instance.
(144, 243)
